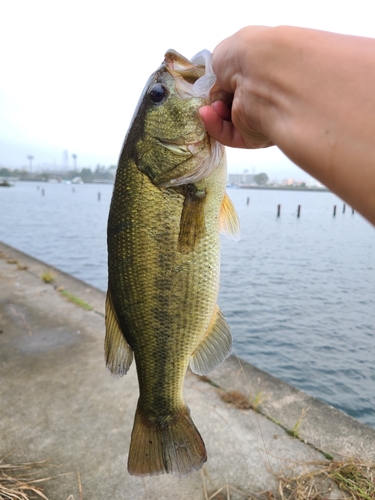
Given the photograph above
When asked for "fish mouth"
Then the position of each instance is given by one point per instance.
(195, 78)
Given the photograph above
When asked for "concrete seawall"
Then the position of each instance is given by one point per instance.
(58, 402)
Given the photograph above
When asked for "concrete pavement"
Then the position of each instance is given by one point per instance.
(58, 402)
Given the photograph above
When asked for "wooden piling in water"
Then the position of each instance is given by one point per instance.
(278, 210)
(99, 196)
(334, 210)
(248, 201)
(343, 208)
(43, 192)
(298, 211)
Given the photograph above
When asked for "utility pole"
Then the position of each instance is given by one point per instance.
(30, 158)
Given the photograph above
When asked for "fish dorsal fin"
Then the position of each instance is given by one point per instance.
(118, 353)
(214, 348)
(192, 224)
(229, 222)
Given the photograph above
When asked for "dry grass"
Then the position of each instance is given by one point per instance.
(236, 399)
(241, 401)
(21, 482)
(20, 266)
(352, 480)
(226, 492)
(25, 481)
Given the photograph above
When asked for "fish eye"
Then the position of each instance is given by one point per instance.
(158, 93)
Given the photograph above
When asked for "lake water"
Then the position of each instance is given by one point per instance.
(298, 293)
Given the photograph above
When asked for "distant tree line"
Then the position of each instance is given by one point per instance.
(87, 174)
(6, 172)
(261, 179)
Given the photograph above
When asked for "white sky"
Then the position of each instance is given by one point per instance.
(71, 72)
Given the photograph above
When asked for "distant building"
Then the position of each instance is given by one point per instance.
(292, 182)
(239, 179)
(287, 182)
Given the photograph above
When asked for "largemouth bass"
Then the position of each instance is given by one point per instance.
(168, 207)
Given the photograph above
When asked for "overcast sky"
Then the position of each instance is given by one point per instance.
(71, 72)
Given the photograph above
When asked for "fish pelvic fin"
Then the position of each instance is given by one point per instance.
(175, 447)
(118, 353)
(229, 222)
(215, 347)
(192, 223)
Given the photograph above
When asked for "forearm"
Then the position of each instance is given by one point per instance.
(313, 95)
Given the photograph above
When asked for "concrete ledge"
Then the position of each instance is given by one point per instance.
(318, 424)
(58, 402)
(86, 292)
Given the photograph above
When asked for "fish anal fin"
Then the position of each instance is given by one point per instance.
(215, 346)
(192, 223)
(118, 353)
(175, 447)
(229, 222)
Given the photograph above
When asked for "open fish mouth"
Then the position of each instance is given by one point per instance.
(194, 78)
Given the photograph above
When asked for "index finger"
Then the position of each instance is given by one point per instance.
(221, 129)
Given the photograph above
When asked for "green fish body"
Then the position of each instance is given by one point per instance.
(167, 210)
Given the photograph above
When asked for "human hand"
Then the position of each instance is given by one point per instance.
(219, 125)
(236, 125)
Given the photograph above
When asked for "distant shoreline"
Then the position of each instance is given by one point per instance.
(284, 188)
(314, 189)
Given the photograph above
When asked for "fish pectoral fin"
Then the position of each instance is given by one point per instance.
(118, 353)
(229, 222)
(214, 348)
(192, 223)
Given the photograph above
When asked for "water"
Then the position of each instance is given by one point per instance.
(299, 294)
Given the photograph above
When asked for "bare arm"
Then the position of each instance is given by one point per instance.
(312, 93)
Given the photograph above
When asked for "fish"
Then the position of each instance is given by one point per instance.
(168, 207)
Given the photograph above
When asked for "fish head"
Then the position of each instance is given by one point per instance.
(167, 138)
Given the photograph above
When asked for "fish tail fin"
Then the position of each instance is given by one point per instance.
(176, 447)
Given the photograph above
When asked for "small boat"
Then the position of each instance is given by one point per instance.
(5, 183)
